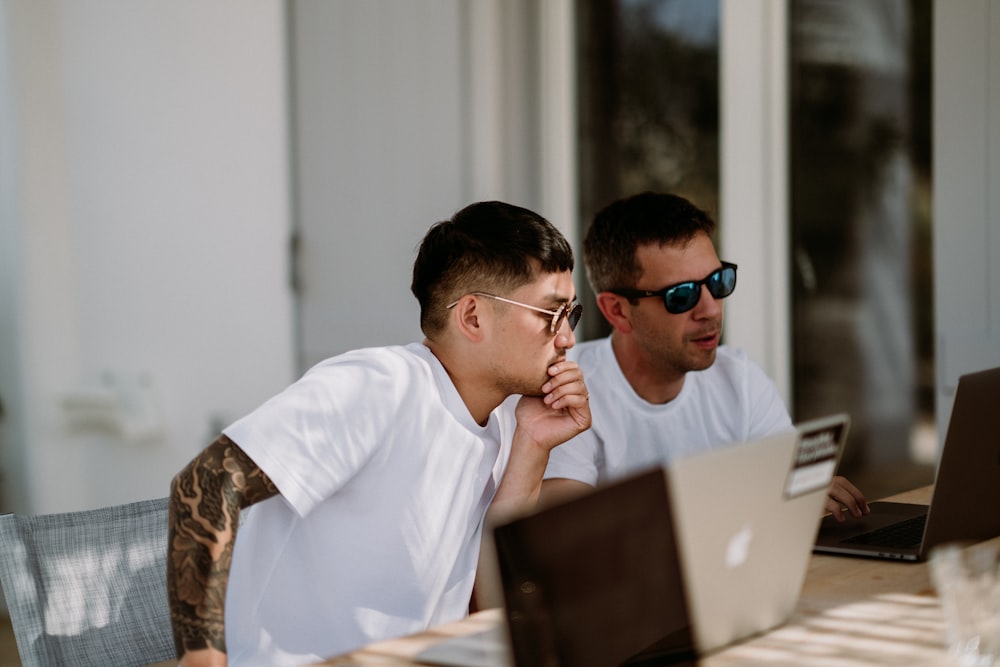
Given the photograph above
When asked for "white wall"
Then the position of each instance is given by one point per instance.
(403, 113)
(378, 155)
(146, 208)
(146, 174)
(966, 193)
(11, 456)
(753, 185)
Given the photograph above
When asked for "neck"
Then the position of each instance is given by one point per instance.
(479, 399)
(652, 382)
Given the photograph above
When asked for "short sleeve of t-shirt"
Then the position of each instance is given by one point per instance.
(311, 438)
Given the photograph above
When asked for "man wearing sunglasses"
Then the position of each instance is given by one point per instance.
(661, 385)
(369, 480)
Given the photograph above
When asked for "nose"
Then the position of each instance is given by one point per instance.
(708, 306)
(565, 337)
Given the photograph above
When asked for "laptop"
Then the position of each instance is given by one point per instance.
(664, 566)
(747, 518)
(966, 488)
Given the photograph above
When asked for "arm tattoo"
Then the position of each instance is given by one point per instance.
(205, 502)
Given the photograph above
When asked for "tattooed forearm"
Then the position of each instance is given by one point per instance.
(205, 502)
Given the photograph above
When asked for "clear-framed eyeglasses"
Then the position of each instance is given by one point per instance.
(569, 311)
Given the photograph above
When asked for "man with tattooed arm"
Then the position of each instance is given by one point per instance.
(368, 480)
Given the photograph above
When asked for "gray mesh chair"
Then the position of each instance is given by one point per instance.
(88, 588)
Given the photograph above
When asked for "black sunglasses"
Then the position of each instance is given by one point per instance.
(682, 297)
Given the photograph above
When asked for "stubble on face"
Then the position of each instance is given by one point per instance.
(677, 344)
(702, 345)
(509, 372)
(675, 355)
(509, 383)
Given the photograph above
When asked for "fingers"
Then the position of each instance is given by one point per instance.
(565, 388)
(835, 508)
(844, 496)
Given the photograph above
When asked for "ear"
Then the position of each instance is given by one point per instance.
(616, 310)
(467, 318)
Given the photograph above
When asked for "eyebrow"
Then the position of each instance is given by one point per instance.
(689, 280)
(557, 300)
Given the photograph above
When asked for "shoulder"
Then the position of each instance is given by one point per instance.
(377, 360)
(389, 372)
(738, 380)
(734, 372)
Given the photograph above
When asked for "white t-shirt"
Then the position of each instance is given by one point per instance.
(385, 479)
(731, 401)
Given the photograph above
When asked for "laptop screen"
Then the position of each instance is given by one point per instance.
(596, 581)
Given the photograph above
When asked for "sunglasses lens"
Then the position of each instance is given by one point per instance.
(682, 298)
(722, 283)
(570, 313)
(574, 316)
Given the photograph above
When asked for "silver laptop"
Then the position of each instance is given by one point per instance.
(746, 519)
(662, 567)
(966, 488)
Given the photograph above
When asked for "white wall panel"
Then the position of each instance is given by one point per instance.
(966, 193)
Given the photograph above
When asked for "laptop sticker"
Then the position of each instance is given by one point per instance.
(815, 460)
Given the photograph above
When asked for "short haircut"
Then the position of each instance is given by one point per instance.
(619, 229)
(486, 247)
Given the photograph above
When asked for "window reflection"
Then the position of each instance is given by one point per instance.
(859, 181)
(649, 104)
(859, 142)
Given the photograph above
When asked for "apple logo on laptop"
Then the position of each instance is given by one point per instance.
(738, 549)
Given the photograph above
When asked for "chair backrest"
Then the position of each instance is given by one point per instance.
(88, 588)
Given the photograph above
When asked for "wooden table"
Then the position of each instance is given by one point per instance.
(852, 612)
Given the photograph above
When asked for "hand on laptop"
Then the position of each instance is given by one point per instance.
(845, 496)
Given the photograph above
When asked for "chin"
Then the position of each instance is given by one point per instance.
(536, 390)
(510, 387)
(703, 362)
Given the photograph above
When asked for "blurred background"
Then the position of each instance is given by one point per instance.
(199, 200)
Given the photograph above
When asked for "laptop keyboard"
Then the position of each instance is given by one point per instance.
(904, 534)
